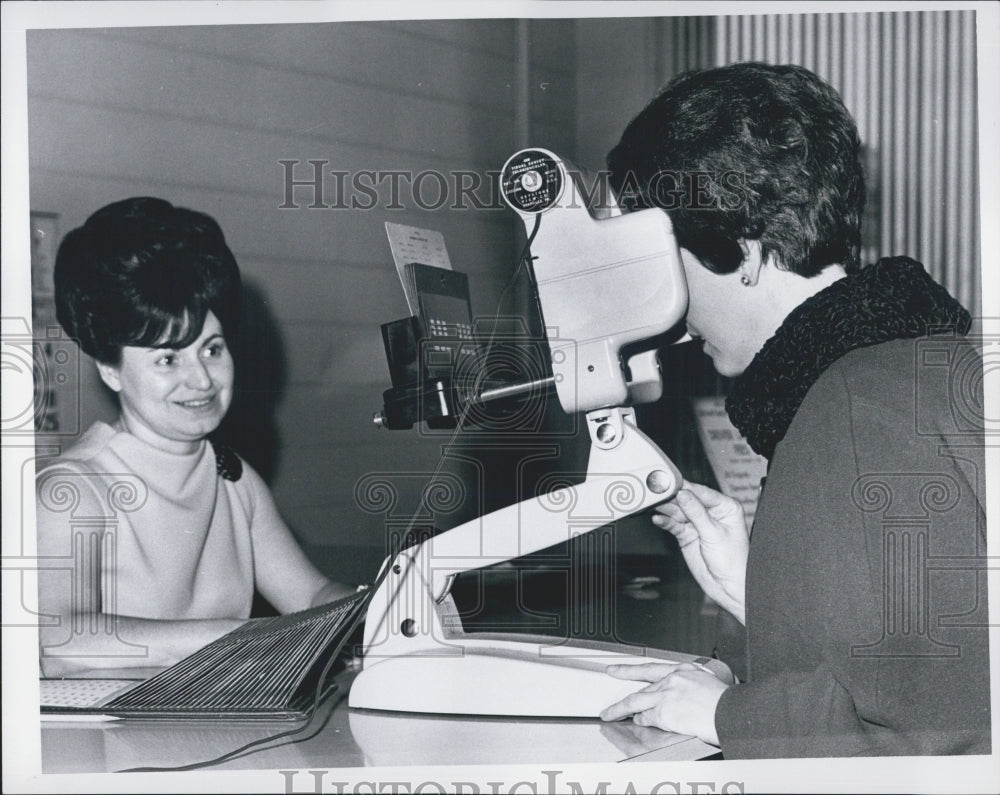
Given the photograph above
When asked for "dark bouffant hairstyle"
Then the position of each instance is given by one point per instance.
(754, 152)
(143, 272)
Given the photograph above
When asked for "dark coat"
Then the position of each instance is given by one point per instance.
(866, 586)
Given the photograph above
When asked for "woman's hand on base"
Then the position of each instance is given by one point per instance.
(680, 698)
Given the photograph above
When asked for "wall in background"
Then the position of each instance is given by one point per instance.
(620, 65)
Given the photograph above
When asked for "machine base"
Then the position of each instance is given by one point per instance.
(504, 676)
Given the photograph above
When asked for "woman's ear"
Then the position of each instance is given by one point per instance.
(110, 375)
(752, 261)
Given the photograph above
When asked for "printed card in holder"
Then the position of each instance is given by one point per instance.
(410, 244)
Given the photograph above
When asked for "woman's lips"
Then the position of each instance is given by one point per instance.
(196, 403)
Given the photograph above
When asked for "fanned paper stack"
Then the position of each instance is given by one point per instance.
(267, 668)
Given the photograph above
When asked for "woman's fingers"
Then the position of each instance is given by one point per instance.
(644, 672)
(718, 505)
(670, 517)
(637, 702)
(647, 698)
(694, 511)
(709, 497)
(672, 522)
(670, 510)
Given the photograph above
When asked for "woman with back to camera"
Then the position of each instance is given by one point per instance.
(152, 293)
(854, 645)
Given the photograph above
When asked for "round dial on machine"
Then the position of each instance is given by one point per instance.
(532, 181)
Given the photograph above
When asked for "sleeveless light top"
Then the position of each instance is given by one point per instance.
(173, 537)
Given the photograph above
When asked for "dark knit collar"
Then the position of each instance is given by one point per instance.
(892, 299)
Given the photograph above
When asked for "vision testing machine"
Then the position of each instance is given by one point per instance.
(605, 280)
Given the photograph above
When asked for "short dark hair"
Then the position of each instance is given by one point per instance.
(143, 272)
(791, 152)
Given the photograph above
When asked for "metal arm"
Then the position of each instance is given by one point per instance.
(627, 473)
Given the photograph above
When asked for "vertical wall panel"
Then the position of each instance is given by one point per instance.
(968, 146)
(909, 79)
(895, 147)
(939, 89)
(952, 174)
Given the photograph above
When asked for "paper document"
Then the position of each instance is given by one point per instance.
(82, 692)
(738, 469)
(411, 244)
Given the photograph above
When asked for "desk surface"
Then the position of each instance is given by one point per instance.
(343, 737)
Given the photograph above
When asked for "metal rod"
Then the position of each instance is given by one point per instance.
(515, 389)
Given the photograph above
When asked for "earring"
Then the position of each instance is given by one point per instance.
(745, 280)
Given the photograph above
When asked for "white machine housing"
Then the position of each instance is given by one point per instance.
(603, 282)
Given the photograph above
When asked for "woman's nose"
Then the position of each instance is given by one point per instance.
(197, 375)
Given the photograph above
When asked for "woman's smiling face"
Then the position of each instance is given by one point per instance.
(173, 397)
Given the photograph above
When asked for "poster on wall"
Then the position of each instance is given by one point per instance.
(737, 468)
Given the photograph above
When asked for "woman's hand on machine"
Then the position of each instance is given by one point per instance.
(712, 532)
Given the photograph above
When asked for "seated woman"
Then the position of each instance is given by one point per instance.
(165, 534)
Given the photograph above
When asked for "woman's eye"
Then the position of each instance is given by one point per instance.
(214, 350)
(167, 360)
